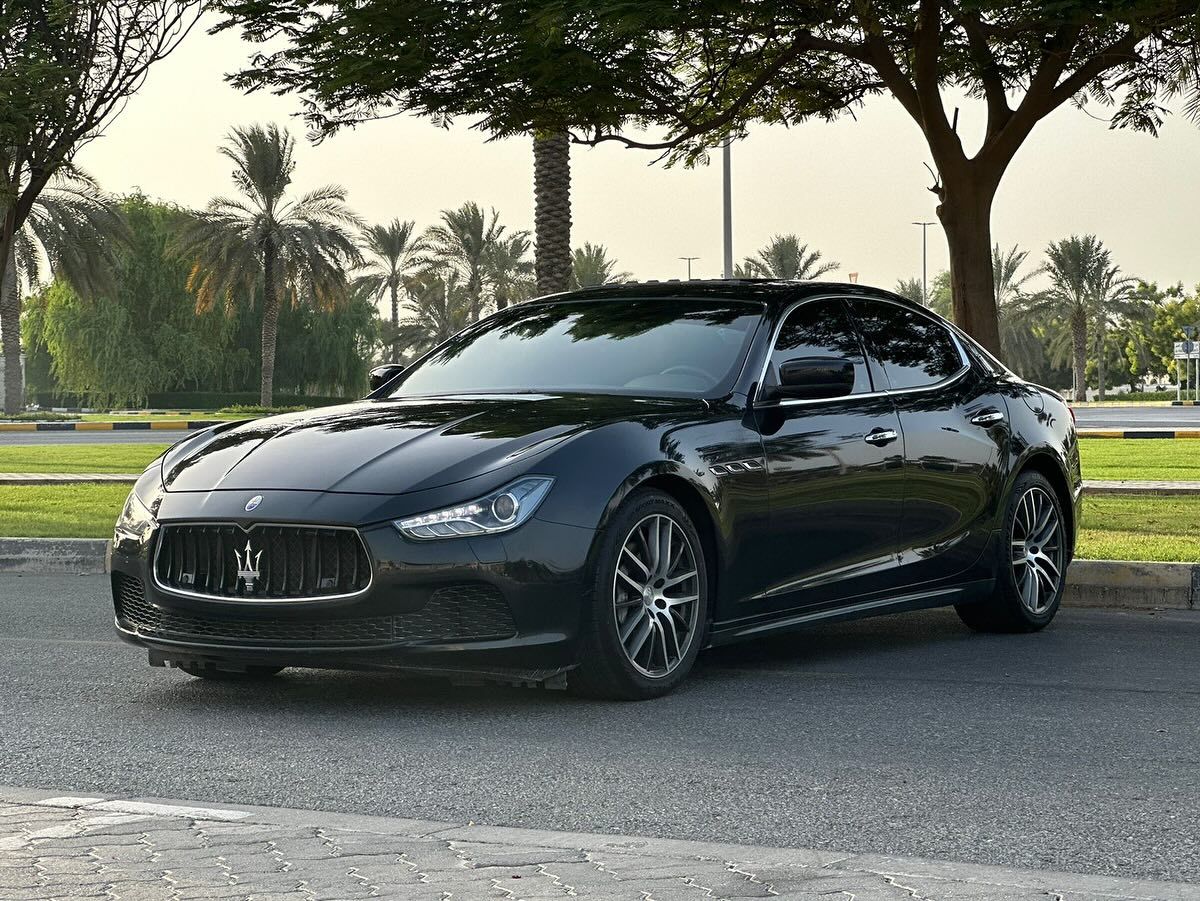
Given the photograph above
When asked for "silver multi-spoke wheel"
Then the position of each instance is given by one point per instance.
(1037, 550)
(656, 595)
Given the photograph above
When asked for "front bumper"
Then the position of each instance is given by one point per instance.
(494, 604)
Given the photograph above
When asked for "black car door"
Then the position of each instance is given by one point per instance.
(956, 429)
(835, 470)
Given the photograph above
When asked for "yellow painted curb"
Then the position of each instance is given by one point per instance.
(18, 426)
(93, 427)
(175, 425)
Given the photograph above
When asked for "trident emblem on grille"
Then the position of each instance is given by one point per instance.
(247, 566)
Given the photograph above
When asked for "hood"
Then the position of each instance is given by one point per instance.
(393, 446)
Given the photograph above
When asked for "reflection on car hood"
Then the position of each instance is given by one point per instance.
(391, 446)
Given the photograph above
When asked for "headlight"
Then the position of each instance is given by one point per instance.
(503, 509)
(137, 521)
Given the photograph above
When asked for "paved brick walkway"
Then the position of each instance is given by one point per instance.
(75, 848)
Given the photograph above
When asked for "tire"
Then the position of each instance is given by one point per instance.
(249, 674)
(639, 643)
(1030, 574)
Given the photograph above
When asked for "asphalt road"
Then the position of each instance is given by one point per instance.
(1132, 417)
(1076, 749)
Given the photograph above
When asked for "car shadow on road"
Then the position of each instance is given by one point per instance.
(906, 642)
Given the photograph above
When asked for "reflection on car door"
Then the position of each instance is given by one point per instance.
(835, 471)
(956, 430)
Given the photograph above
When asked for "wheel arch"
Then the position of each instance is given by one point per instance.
(696, 502)
(1048, 466)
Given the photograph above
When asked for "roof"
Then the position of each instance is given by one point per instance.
(763, 290)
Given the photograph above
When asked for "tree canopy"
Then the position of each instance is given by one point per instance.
(693, 74)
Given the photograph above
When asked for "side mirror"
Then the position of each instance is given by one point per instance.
(815, 377)
(381, 375)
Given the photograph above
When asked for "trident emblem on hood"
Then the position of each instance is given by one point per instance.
(247, 566)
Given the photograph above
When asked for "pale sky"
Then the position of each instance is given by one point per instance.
(850, 188)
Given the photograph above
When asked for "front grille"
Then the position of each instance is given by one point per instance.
(290, 561)
(470, 611)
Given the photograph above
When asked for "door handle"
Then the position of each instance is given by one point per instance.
(881, 436)
(987, 417)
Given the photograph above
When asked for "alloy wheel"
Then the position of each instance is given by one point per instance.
(656, 595)
(1037, 550)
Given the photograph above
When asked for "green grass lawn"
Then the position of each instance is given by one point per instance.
(1114, 528)
(1172, 460)
(1140, 528)
(78, 457)
(60, 511)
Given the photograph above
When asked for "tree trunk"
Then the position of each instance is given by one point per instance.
(10, 329)
(552, 217)
(1079, 345)
(1100, 362)
(395, 321)
(270, 323)
(966, 215)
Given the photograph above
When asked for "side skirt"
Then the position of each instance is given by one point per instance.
(943, 597)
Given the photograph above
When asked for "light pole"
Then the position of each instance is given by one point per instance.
(689, 264)
(727, 218)
(1187, 363)
(924, 258)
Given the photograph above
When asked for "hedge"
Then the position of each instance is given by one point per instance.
(197, 400)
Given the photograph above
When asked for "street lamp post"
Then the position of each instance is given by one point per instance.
(924, 258)
(727, 210)
(689, 265)
(1187, 363)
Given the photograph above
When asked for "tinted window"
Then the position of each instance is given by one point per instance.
(912, 348)
(643, 346)
(819, 328)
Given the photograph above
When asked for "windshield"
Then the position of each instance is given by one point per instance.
(641, 346)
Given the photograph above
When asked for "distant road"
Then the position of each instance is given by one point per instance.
(1133, 417)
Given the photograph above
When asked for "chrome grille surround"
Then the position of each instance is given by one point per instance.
(295, 554)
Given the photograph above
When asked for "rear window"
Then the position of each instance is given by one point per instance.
(914, 350)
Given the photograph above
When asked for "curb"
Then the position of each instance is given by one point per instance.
(54, 556)
(68, 478)
(169, 425)
(1138, 433)
(1125, 584)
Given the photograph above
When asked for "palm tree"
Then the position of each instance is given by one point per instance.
(76, 228)
(1086, 291)
(439, 307)
(508, 269)
(462, 243)
(591, 267)
(552, 210)
(785, 257)
(393, 249)
(1020, 345)
(1114, 301)
(266, 242)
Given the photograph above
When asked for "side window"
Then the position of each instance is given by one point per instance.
(913, 349)
(819, 328)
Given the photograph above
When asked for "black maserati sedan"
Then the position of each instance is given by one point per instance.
(590, 488)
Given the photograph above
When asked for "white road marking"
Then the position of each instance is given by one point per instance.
(146, 808)
(171, 810)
